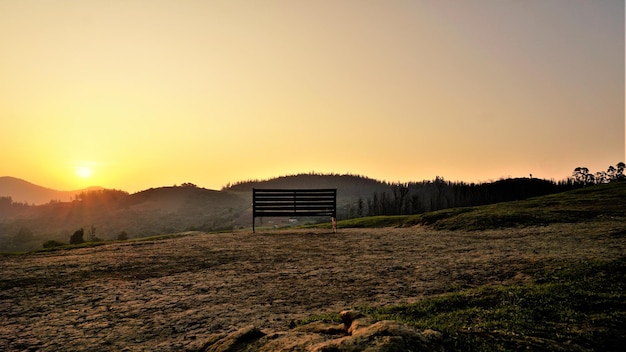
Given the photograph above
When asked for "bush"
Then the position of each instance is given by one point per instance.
(123, 236)
(53, 243)
(77, 237)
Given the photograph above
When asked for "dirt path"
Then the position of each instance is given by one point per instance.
(171, 295)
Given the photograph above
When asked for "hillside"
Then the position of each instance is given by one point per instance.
(109, 213)
(25, 192)
(595, 203)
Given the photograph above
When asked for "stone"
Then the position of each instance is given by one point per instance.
(231, 341)
(357, 333)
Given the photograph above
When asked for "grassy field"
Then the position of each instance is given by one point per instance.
(544, 274)
(561, 306)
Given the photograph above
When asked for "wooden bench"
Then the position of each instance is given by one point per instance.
(294, 202)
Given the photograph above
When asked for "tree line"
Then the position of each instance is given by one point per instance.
(431, 195)
(420, 197)
(582, 176)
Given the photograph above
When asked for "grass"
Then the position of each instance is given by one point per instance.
(568, 307)
(590, 203)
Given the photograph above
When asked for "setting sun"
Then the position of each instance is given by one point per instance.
(83, 171)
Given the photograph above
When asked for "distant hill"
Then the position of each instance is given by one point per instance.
(104, 214)
(22, 191)
(349, 187)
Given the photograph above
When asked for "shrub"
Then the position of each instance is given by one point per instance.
(123, 236)
(77, 237)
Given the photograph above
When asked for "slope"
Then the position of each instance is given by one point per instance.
(600, 202)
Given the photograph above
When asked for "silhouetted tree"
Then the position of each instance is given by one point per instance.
(611, 173)
(359, 207)
(77, 237)
(582, 176)
(620, 171)
(400, 191)
(92, 235)
(122, 236)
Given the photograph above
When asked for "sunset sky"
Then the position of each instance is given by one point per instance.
(133, 94)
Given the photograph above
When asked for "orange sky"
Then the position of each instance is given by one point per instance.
(149, 93)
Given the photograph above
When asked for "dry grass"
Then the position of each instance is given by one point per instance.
(171, 294)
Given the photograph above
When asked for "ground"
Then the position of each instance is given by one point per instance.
(172, 295)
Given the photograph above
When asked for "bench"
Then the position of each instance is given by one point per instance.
(294, 202)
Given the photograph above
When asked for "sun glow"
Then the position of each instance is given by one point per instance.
(83, 172)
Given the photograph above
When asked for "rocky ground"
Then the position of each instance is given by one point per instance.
(176, 294)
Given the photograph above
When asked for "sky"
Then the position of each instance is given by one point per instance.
(134, 94)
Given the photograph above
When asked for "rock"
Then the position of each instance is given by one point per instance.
(383, 336)
(358, 333)
(358, 324)
(233, 341)
(347, 316)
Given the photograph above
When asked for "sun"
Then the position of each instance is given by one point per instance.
(83, 172)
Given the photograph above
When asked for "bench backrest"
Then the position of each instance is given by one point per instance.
(293, 202)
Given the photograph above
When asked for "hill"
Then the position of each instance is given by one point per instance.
(351, 186)
(25, 192)
(105, 214)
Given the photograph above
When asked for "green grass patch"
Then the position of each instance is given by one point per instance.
(573, 306)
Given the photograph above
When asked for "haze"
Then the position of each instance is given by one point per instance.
(139, 94)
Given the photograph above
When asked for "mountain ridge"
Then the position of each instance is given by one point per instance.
(22, 191)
